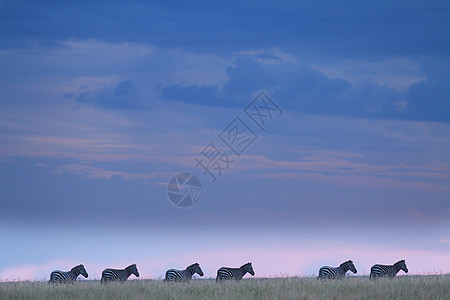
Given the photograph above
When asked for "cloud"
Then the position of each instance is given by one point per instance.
(74, 70)
(99, 173)
(120, 96)
(300, 87)
(338, 28)
(195, 94)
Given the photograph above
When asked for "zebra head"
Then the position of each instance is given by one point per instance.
(80, 270)
(197, 269)
(348, 265)
(248, 268)
(133, 270)
(401, 265)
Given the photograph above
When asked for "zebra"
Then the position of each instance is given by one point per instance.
(339, 272)
(68, 277)
(183, 275)
(388, 271)
(119, 275)
(225, 273)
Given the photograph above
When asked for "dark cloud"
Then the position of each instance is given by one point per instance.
(206, 94)
(124, 88)
(122, 96)
(301, 88)
(341, 28)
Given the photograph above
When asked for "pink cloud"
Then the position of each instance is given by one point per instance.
(339, 168)
(99, 173)
(35, 271)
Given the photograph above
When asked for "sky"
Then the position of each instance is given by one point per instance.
(342, 110)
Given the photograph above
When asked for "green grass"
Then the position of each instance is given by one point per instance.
(402, 287)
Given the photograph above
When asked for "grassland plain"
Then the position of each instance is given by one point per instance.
(356, 287)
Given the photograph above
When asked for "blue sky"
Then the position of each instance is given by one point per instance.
(102, 103)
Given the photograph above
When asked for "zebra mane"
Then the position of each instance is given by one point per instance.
(346, 265)
(399, 262)
(130, 266)
(77, 267)
(246, 265)
(347, 262)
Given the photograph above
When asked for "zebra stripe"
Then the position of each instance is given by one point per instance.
(183, 275)
(388, 271)
(67, 277)
(339, 272)
(225, 273)
(119, 275)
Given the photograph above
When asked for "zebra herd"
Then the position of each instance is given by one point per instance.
(224, 273)
(376, 270)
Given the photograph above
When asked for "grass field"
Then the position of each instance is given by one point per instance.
(402, 287)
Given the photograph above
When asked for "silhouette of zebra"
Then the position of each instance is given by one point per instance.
(225, 273)
(67, 277)
(183, 275)
(336, 273)
(119, 275)
(388, 271)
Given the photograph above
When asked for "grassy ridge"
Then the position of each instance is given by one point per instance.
(403, 287)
